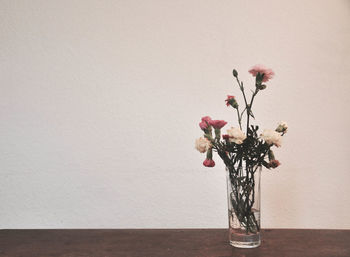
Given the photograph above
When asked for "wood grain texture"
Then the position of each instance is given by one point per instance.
(169, 242)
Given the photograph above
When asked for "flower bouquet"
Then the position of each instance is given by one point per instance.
(244, 154)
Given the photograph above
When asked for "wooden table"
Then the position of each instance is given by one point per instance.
(169, 242)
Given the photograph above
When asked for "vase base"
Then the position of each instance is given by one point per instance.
(240, 244)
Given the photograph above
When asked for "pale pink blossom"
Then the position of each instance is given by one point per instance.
(268, 73)
(272, 137)
(236, 135)
(202, 144)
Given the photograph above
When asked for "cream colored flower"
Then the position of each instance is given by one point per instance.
(202, 144)
(282, 127)
(236, 135)
(272, 137)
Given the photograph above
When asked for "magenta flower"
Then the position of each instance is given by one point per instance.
(217, 124)
(203, 125)
(268, 73)
(206, 118)
(208, 163)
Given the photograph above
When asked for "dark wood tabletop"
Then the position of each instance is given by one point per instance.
(169, 242)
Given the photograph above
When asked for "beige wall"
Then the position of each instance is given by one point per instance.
(100, 103)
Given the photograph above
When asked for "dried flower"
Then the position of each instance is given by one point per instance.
(268, 73)
(272, 137)
(236, 135)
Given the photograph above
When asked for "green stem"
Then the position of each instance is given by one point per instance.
(239, 119)
(242, 89)
(240, 197)
(249, 107)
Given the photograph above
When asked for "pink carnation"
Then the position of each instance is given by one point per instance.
(218, 124)
(231, 101)
(208, 163)
(206, 118)
(203, 125)
(268, 73)
(205, 122)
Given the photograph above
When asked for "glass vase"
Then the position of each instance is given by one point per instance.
(243, 194)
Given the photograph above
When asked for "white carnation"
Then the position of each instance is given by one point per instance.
(202, 144)
(282, 127)
(236, 135)
(272, 137)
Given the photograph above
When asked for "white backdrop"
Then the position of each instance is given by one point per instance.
(100, 103)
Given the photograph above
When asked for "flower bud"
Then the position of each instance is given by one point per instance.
(282, 127)
(261, 86)
(235, 73)
(274, 163)
(231, 101)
